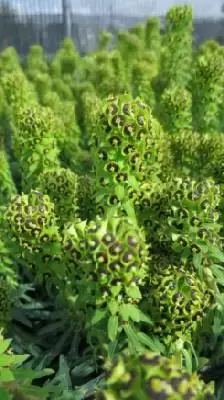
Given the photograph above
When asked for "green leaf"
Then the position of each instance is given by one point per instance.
(119, 191)
(7, 360)
(216, 253)
(4, 345)
(28, 375)
(128, 207)
(64, 372)
(115, 290)
(133, 339)
(41, 392)
(98, 316)
(219, 389)
(218, 273)
(51, 328)
(124, 312)
(197, 262)
(112, 347)
(133, 312)
(152, 343)
(112, 327)
(113, 307)
(133, 182)
(6, 375)
(133, 292)
(4, 395)
(188, 360)
(82, 370)
(145, 318)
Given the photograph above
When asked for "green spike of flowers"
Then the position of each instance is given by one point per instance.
(200, 155)
(7, 185)
(119, 258)
(7, 266)
(210, 45)
(61, 187)
(104, 40)
(36, 62)
(106, 81)
(30, 217)
(152, 35)
(9, 60)
(82, 91)
(32, 233)
(121, 82)
(65, 114)
(35, 144)
(178, 300)
(18, 91)
(65, 60)
(107, 262)
(62, 89)
(5, 303)
(188, 207)
(86, 198)
(139, 31)
(129, 147)
(208, 78)
(176, 56)
(129, 46)
(142, 74)
(176, 109)
(150, 376)
(88, 107)
(187, 153)
(71, 133)
(42, 84)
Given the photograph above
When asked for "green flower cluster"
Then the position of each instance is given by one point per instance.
(114, 259)
(176, 109)
(208, 78)
(61, 187)
(178, 301)
(151, 377)
(183, 215)
(7, 185)
(5, 302)
(128, 147)
(32, 232)
(35, 144)
(176, 57)
(18, 91)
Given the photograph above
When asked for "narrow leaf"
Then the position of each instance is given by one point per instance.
(112, 327)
